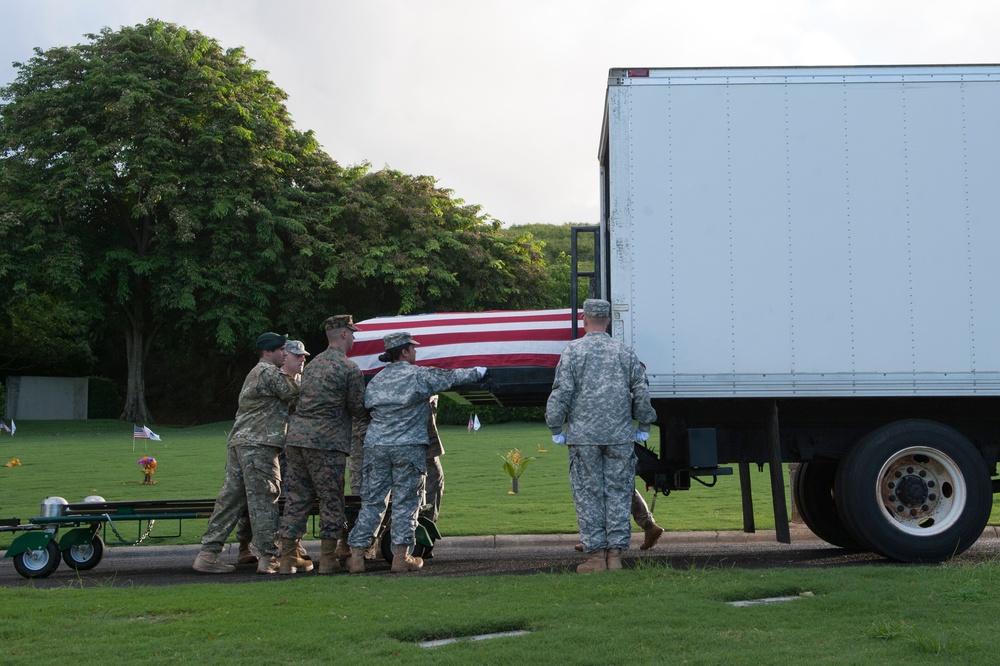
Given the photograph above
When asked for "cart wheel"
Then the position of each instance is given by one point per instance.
(84, 556)
(38, 563)
(420, 550)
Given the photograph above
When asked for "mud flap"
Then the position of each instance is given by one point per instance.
(77, 537)
(29, 541)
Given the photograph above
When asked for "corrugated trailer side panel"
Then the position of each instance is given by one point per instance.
(982, 218)
(818, 248)
(806, 235)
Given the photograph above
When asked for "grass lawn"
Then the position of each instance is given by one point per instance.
(74, 459)
(650, 614)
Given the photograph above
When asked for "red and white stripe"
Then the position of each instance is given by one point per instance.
(498, 338)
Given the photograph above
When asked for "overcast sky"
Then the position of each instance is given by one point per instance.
(502, 100)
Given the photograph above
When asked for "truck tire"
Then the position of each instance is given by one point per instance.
(916, 491)
(38, 563)
(814, 483)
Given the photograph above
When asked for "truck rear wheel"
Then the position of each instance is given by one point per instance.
(916, 491)
(814, 497)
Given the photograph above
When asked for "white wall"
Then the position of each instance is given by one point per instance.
(47, 398)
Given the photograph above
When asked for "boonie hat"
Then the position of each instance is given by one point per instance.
(271, 341)
(340, 321)
(296, 347)
(398, 339)
(598, 308)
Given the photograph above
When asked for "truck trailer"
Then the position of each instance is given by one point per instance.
(806, 261)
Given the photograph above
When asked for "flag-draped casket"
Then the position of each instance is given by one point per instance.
(520, 348)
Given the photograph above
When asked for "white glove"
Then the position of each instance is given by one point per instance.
(641, 436)
(559, 439)
(481, 370)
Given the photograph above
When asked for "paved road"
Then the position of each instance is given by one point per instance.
(493, 555)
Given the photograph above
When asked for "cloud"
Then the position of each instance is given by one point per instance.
(503, 101)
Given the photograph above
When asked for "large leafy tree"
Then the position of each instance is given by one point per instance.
(155, 198)
(556, 242)
(147, 182)
(409, 246)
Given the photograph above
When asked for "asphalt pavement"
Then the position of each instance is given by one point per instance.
(468, 556)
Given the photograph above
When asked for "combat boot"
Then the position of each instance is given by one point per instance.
(209, 563)
(301, 551)
(578, 547)
(356, 563)
(290, 560)
(268, 564)
(402, 561)
(246, 554)
(652, 532)
(328, 562)
(596, 561)
(343, 551)
(614, 559)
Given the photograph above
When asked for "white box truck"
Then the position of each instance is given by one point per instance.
(807, 260)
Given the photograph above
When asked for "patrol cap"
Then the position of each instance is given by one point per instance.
(271, 341)
(398, 339)
(296, 347)
(597, 308)
(340, 321)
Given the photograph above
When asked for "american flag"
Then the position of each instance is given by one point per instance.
(145, 433)
(497, 338)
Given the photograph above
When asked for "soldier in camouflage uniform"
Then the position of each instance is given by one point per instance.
(316, 448)
(434, 480)
(644, 519)
(599, 385)
(356, 459)
(434, 486)
(253, 480)
(395, 450)
(295, 359)
(355, 462)
(435, 474)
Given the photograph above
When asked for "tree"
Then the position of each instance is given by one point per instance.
(408, 246)
(556, 240)
(157, 169)
(155, 198)
(556, 243)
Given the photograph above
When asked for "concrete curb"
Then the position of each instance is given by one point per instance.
(501, 541)
(798, 533)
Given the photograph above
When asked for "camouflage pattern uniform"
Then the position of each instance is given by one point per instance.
(599, 384)
(395, 449)
(253, 480)
(434, 483)
(640, 510)
(318, 441)
(359, 428)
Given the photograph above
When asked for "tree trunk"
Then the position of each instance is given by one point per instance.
(135, 393)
